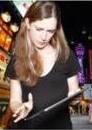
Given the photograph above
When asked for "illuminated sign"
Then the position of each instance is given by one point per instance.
(23, 5)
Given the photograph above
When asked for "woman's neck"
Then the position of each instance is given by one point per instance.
(48, 57)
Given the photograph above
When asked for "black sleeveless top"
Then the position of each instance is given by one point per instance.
(49, 89)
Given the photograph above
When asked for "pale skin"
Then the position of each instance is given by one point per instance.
(43, 30)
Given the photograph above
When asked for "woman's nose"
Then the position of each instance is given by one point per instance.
(44, 36)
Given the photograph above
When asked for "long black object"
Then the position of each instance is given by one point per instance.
(56, 104)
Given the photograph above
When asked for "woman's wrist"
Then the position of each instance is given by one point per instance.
(14, 105)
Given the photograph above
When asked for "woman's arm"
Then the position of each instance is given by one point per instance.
(15, 95)
(20, 109)
(73, 85)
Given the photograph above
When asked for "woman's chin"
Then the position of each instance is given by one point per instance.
(41, 47)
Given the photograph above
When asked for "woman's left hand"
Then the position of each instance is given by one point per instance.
(24, 109)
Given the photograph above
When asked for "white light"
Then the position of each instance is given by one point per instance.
(84, 32)
(90, 37)
(23, 5)
(6, 17)
(72, 42)
(14, 27)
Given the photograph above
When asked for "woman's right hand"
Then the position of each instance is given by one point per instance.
(23, 110)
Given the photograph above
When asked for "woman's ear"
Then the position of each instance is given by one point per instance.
(27, 23)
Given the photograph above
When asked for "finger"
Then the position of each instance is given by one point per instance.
(21, 113)
(14, 115)
(20, 117)
(30, 97)
(17, 112)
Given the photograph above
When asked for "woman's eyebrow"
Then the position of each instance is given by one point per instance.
(43, 28)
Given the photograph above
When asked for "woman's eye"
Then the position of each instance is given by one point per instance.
(39, 29)
(51, 31)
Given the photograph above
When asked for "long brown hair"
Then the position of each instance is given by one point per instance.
(28, 64)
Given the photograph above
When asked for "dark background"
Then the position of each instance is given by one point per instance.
(76, 18)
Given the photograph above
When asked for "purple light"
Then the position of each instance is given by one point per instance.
(80, 50)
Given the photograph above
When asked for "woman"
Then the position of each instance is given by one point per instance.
(43, 69)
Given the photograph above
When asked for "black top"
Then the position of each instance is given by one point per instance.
(50, 89)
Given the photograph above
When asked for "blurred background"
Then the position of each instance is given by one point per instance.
(77, 24)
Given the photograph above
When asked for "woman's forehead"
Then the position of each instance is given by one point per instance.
(46, 22)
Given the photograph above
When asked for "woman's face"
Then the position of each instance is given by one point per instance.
(42, 31)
